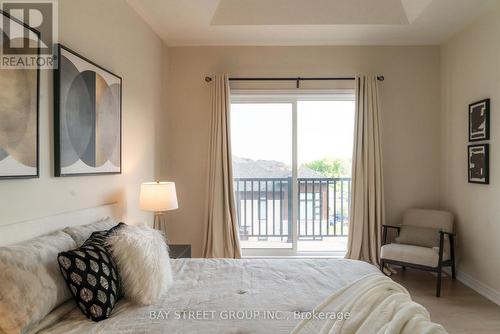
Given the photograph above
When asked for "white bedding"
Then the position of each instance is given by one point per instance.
(260, 288)
(376, 304)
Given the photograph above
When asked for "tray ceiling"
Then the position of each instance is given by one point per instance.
(307, 22)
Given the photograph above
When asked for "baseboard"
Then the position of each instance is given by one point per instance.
(479, 287)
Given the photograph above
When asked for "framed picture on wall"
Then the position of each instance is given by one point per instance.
(19, 102)
(478, 166)
(87, 117)
(479, 120)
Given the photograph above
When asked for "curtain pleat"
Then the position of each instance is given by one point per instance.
(221, 232)
(367, 211)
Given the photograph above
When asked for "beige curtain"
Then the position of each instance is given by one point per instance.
(367, 212)
(221, 233)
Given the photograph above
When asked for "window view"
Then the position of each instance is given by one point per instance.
(292, 171)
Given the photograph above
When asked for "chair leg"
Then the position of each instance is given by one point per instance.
(382, 264)
(452, 253)
(438, 288)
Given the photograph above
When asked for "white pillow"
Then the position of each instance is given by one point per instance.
(31, 284)
(82, 232)
(143, 264)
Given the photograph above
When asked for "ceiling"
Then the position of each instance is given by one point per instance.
(307, 22)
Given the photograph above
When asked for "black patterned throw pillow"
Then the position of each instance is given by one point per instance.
(91, 276)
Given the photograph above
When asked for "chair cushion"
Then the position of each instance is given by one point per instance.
(412, 254)
(440, 220)
(418, 236)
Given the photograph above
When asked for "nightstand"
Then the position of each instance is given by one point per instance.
(179, 251)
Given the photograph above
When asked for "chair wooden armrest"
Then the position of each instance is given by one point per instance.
(450, 234)
(452, 249)
(398, 227)
(385, 228)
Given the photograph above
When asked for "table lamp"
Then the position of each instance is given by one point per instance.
(158, 197)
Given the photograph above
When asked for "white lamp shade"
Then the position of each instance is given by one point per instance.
(158, 196)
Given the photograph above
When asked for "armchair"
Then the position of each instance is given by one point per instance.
(427, 243)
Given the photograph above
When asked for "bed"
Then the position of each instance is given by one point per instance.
(225, 295)
(258, 288)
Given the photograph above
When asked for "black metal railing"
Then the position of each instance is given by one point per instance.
(264, 210)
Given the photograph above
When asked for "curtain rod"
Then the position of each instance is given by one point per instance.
(296, 79)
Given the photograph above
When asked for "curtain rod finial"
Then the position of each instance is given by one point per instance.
(208, 79)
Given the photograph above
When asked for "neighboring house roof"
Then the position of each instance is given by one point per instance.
(248, 168)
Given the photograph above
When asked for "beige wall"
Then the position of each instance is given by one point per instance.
(470, 72)
(411, 123)
(111, 34)
(416, 173)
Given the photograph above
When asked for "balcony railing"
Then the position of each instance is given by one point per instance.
(264, 210)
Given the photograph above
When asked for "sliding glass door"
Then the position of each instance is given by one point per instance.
(262, 145)
(325, 137)
(291, 164)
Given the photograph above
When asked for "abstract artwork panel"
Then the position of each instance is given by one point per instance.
(478, 163)
(18, 110)
(87, 117)
(479, 120)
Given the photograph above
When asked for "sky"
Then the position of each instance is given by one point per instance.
(264, 131)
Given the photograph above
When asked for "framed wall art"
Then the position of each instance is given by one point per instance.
(87, 117)
(478, 166)
(19, 102)
(479, 120)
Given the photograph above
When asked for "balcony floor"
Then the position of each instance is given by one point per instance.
(333, 244)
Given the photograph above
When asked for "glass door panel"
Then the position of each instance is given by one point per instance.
(261, 140)
(324, 153)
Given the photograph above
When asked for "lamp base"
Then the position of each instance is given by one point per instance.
(160, 224)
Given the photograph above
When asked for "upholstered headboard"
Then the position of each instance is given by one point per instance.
(12, 233)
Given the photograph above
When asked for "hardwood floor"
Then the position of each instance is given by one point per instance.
(460, 309)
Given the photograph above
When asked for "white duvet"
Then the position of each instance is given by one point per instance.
(225, 296)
